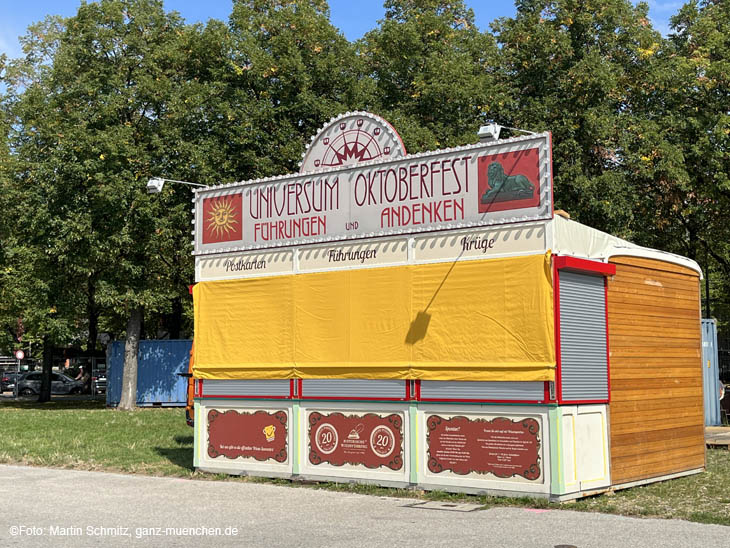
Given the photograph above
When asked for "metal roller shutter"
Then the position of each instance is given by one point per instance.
(583, 358)
(458, 390)
(353, 388)
(261, 388)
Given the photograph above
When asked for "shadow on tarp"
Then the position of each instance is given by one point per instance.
(418, 328)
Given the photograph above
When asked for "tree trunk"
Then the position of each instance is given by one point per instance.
(45, 393)
(691, 241)
(128, 399)
(93, 315)
(142, 329)
(176, 318)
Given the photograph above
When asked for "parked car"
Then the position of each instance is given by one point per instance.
(98, 381)
(29, 384)
(7, 381)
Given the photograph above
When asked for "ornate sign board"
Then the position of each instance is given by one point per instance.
(356, 439)
(474, 243)
(257, 434)
(350, 139)
(489, 450)
(358, 190)
(503, 447)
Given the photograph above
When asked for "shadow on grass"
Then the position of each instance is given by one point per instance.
(179, 456)
(56, 403)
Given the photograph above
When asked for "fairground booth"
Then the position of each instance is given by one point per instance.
(427, 320)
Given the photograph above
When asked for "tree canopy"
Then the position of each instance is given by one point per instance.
(123, 91)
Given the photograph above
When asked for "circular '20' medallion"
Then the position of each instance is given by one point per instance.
(382, 441)
(326, 438)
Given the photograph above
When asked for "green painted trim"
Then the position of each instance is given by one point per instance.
(413, 445)
(197, 434)
(394, 402)
(557, 481)
(295, 453)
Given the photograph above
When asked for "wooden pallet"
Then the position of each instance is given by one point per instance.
(717, 437)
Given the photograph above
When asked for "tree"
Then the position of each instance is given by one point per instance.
(688, 152)
(431, 72)
(573, 67)
(36, 285)
(292, 72)
(107, 116)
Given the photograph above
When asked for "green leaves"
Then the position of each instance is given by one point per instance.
(572, 68)
(96, 108)
(292, 72)
(124, 91)
(433, 73)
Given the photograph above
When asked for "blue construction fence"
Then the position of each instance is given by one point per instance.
(158, 365)
(711, 382)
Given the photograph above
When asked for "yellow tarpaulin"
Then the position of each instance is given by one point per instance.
(484, 320)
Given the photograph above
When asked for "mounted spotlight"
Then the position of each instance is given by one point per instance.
(154, 185)
(489, 133)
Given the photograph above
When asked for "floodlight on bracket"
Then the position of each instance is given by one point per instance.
(491, 132)
(154, 185)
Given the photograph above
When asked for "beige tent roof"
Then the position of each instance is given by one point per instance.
(573, 238)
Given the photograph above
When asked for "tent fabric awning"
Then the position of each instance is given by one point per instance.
(479, 320)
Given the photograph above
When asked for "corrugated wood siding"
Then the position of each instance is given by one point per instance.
(657, 422)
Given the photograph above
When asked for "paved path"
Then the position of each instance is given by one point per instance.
(38, 505)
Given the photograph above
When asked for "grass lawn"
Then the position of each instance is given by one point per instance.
(87, 436)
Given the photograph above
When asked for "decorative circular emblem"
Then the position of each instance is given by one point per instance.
(221, 219)
(326, 438)
(382, 441)
(351, 138)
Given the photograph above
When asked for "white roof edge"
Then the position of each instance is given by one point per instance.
(576, 239)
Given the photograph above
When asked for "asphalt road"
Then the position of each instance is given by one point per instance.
(45, 507)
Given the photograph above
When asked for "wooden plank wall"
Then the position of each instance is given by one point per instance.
(655, 344)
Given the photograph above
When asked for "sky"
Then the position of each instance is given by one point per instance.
(353, 17)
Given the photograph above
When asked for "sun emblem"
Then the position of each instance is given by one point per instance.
(222, 218)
